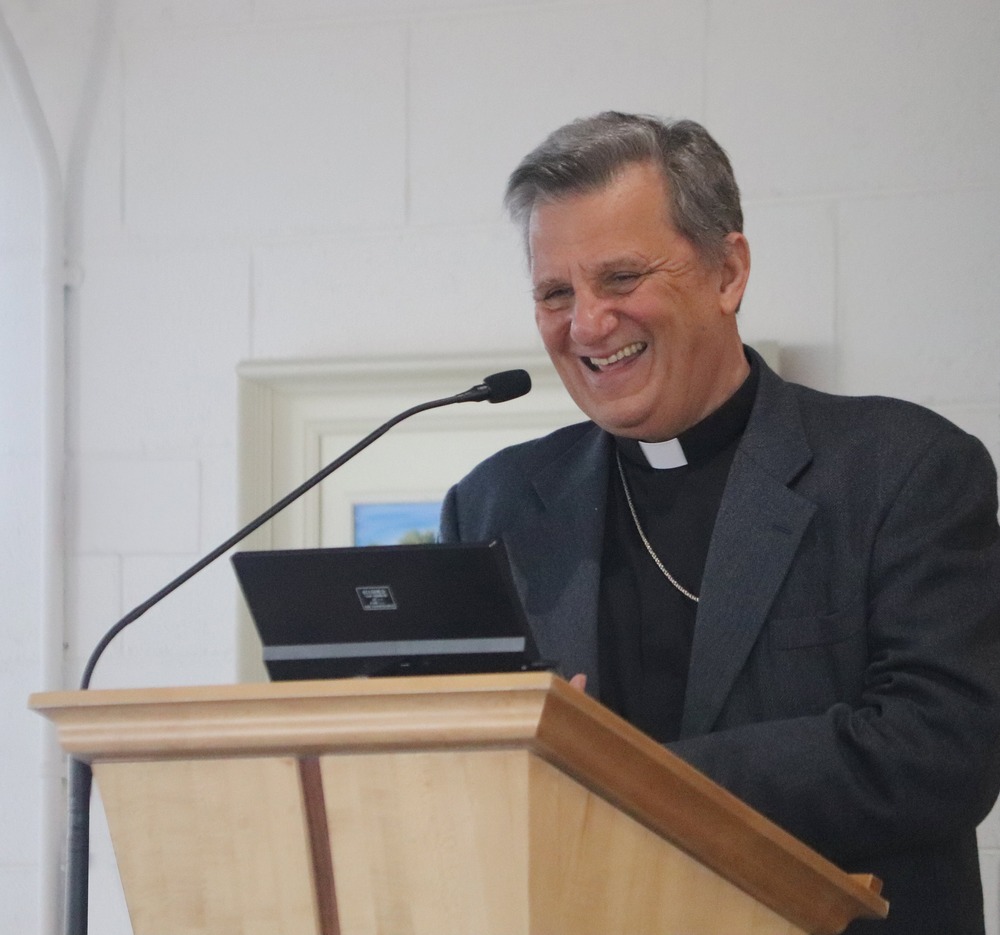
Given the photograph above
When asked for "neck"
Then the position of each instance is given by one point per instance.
(732, 369)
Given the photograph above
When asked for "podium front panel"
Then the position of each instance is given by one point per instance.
(211, 845)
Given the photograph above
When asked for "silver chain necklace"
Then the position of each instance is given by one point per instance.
(642, 535)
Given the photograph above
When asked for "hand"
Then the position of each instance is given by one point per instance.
(579, 681)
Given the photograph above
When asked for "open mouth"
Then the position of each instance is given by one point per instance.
(598, 364)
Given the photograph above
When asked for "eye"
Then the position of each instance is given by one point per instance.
(622, 281)
(554, 298)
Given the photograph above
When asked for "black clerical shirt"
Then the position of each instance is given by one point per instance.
(645, 625)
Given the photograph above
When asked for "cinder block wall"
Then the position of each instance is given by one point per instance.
(298, 178)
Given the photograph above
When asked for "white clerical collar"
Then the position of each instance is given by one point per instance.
(661, 455)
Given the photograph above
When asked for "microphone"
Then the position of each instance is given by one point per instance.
(500, 387)
(496, 388)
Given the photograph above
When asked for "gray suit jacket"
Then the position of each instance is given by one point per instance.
(845, 673)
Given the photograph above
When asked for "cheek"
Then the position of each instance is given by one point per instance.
(551, 327)
(646, 310)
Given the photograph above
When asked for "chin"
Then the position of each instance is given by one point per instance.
(621, 426)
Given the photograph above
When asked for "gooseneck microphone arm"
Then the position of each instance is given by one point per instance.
(497, 388)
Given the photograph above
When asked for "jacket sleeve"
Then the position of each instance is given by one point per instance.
(449, 517)
(915, 759)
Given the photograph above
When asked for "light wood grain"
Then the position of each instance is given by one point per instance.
(723, 833)
(430, 843)
(595, 871)
(534, 713)
(499, 842)
(211, 846)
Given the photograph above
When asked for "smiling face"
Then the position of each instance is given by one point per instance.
(640, 328)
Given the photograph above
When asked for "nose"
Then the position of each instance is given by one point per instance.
(593, 319)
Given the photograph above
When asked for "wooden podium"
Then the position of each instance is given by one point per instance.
(466, 805)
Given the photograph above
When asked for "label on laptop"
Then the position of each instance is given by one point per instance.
(376, 597)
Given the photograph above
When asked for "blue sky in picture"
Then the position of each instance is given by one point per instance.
(395, 523)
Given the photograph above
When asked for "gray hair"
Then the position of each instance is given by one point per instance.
(586, 155)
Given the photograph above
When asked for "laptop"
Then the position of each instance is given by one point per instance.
(433, 609)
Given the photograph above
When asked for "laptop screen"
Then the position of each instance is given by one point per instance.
(386, 610)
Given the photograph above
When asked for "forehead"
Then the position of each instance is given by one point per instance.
(630, 214)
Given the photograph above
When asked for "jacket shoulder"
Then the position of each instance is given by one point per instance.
(530, 455)
(494, 494)
(881, 425)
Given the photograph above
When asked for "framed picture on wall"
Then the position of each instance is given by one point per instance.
(395, 523)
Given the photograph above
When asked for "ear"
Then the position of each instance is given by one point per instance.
(735, 271)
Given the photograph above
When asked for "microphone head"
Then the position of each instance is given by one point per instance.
(507, 385)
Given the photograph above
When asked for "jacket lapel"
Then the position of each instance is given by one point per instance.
(756, 537)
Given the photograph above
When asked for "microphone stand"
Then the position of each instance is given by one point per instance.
(496, 388)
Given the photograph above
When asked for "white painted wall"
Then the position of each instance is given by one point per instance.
(250, 179)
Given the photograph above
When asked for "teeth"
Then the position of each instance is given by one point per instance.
(627, 351)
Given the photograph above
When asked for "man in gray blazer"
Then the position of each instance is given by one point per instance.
(798, 593)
